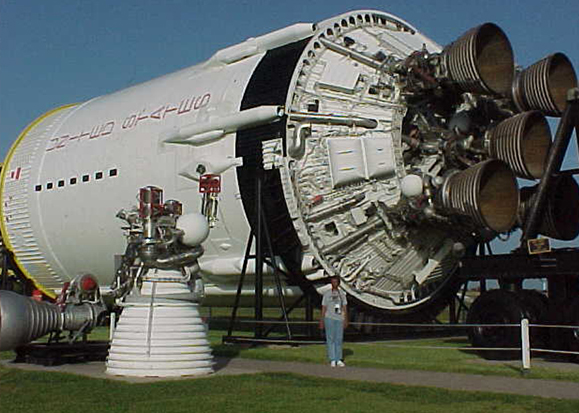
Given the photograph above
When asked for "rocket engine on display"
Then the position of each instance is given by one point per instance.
(384, 158)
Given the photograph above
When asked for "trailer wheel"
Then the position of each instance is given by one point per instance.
(536, 306)
(572, 335)
(496, 307)
(557, 315)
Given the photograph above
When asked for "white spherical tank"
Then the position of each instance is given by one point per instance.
(195, 229)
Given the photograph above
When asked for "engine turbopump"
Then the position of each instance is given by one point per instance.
(159, 237)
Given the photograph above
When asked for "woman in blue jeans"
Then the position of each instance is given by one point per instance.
(334, 320)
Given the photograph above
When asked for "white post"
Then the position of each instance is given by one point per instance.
(525, 344)
(113, 325)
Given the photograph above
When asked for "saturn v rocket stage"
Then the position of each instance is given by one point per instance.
(384, 158)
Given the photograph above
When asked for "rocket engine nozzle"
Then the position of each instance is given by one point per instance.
(561, 216)
(481, 61)
(522, 142)
(486, 192)
(23, 319)
(543, 86)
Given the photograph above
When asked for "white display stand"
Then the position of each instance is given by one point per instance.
(160, 332)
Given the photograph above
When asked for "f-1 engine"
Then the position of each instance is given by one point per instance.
(384, 157)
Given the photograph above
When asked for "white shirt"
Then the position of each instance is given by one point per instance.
(334, 301)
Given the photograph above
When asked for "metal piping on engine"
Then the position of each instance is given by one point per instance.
(182, 259)
(334, 119)
(344, 51)
(333, 209)
(372, 224)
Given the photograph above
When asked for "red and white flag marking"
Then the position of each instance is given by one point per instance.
(15, 174)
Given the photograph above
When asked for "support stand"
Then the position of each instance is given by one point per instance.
(7, 281)
(264, 254)
(456, 306)
(4, 275)
(569, 120)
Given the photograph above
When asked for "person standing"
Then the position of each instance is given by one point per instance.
(334, 320)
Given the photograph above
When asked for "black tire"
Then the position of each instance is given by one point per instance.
(536, 305)
(571, 336)
(497, 307)
(558, 339)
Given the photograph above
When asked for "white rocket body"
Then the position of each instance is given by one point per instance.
(333, 115)
(80, 164)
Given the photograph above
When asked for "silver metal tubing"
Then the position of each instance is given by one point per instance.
(344, 51)
(333, 119)
(373, 224)
(333, 209)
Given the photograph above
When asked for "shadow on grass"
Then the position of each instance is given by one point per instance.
(512, 359)
(462, 341)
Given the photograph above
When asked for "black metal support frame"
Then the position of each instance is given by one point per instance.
(456, 306)
(6, 279)
(4, 274)
(569, 120)
(264, 255)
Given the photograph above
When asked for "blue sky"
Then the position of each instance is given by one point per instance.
(65, 51)
(58, 52)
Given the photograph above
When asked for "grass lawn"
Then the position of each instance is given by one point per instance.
(24, 391)
(440, 354)
(428, 354)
